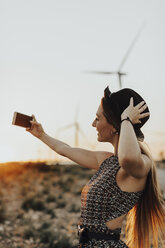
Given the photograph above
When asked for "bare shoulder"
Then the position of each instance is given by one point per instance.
(102, 155)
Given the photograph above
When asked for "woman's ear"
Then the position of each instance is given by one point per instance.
(114, 131)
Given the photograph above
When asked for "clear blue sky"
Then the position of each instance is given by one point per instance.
(46, 45)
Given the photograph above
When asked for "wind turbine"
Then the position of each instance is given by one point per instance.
(78, 130)
(119, 72)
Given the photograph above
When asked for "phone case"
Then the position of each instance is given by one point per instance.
(21, 120)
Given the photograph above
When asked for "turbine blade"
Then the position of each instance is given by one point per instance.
(65, 127)
(131, 46)
(101, 72)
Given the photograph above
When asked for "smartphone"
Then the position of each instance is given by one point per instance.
(22, 120)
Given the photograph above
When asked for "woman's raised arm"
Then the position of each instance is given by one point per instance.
(129, 153)
(86, 158)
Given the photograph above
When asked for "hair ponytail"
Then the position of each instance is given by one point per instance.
(146, 220)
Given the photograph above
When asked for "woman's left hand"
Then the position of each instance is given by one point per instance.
(134, 112)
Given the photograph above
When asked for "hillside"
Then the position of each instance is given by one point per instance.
(40, 204)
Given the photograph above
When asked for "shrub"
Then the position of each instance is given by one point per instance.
(2, 212)
(54, 183)
(51, 212)
(47, 237)
(74, 208)
(60, 196)
(70, 180)
(62, 242)
(51, 198)
(57, 240)
(43, 167)
(61, 204)
(33, 203)
(64, 186)
(46, 191)
(77, 191)
(28, 233)
(20, 214)
(45, 225)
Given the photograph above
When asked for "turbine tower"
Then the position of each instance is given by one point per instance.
(119, 72)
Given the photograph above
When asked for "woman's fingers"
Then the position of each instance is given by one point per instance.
(131, 101)
(34, 118)
(139, 105)
(144, 115)
(35, 123)
(143, 108)
(28, 129)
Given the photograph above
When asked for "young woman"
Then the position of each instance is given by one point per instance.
(125, 181)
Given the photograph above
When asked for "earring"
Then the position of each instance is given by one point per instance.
(116, 132)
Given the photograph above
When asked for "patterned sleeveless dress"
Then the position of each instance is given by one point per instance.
(102, 200)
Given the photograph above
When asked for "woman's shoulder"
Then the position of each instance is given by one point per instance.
(103, 155)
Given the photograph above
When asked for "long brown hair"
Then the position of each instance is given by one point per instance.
(146, 220)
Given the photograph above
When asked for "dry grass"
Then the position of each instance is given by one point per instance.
(36, 210)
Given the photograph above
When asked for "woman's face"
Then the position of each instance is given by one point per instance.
(102, 126)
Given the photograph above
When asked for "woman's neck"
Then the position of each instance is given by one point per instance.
(115, 145)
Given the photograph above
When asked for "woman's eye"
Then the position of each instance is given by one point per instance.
(96, 119)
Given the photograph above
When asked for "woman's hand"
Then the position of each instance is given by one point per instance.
(134, 112)
(36, 128)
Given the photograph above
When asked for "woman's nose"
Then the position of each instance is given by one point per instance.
(94, 123)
